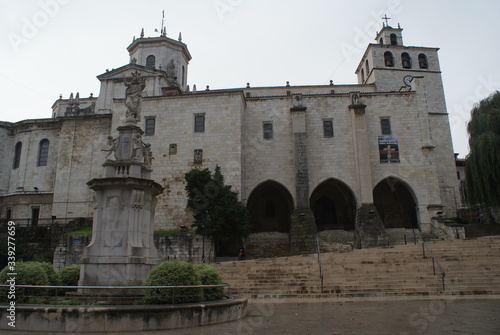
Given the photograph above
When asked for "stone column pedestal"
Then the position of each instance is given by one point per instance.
(122, 250)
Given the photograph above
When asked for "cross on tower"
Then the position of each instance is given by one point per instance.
(386, 20)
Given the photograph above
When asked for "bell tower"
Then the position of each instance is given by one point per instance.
(391, 65)
(163, 53)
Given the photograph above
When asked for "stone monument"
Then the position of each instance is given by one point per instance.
(122, 251)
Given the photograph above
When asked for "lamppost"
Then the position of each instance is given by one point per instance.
(203, 244)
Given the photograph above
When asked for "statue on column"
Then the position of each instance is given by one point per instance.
(135, 85)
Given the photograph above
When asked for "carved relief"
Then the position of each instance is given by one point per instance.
(112, 236)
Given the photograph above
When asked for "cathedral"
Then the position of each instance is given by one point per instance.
(354, 161)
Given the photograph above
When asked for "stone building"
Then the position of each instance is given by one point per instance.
(356, 161)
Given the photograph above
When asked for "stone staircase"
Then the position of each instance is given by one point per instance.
(472, 266)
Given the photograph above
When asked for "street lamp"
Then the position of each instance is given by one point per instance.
(203, 244)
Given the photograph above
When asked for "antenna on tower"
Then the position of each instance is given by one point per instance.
(163, 30)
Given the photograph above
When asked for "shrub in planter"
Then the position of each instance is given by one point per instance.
(172, 273)
(208, 275)
(70, 276)
(28, 273)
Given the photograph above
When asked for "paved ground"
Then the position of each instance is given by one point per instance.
(431, 316)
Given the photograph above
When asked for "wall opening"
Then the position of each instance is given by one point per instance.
(334, 206)
(395, 204)
(270, 206)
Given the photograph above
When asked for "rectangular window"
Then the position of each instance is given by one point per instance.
(268, 130)
(8, 214)
(199, 123)
(328, 128)
(385, 124)
(150, 126)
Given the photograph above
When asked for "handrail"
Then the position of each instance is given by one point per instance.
(434, 259)
(320, 265)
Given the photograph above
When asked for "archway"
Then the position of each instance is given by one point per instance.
(334, 206)
(270, 206)
(395, 204)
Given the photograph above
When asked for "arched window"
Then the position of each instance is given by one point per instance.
(422, 61)
(362, 76)
(17, 155)
(183, 76)
(389, 59)
(150, 61)
(381, 40)
(367, 67)
(394, 39)
(43, 153)
(406, 60)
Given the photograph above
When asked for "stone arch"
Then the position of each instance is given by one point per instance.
(396, 203)
(406, 60)
(334, 206)
(388, 59)
(270, 206)
(422, 61)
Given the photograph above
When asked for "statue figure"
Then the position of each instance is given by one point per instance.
(112, 145)
(171, 69)
(135, 85)
(148, 155)
(137, 147)
(355, 99)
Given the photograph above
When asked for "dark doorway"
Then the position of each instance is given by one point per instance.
(35, 214)
(270, 206)
(395, 204)
(334, 206)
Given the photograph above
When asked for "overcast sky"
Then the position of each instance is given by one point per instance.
(52, 47)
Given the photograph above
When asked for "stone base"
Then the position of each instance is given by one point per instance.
(114, 271)
(370, 231)
(121, 319)
(303, 232)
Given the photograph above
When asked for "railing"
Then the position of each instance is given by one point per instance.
(30, 222)
(56, 295)
(429, 252)
(319, 262)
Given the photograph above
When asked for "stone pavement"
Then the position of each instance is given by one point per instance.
(478, 315)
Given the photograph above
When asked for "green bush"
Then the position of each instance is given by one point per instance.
(208, 275)
(70, 276)
(27, 273)
(52, 275)
(172, 273)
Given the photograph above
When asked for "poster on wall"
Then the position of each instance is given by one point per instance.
(388, 149)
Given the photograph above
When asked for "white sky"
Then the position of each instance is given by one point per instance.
(52, 47)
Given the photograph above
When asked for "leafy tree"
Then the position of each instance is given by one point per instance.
(482, 165)
(216, 209)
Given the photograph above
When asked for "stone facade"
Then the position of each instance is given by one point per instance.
(281, 148)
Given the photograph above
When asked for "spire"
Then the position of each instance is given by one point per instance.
(142, 33)
(180, 37)
(164, 31)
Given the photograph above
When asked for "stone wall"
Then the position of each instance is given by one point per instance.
(174, 246)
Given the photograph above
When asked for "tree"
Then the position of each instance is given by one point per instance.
(482, 165)
(217, 212)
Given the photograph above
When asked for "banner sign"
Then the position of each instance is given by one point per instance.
(388, 149)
